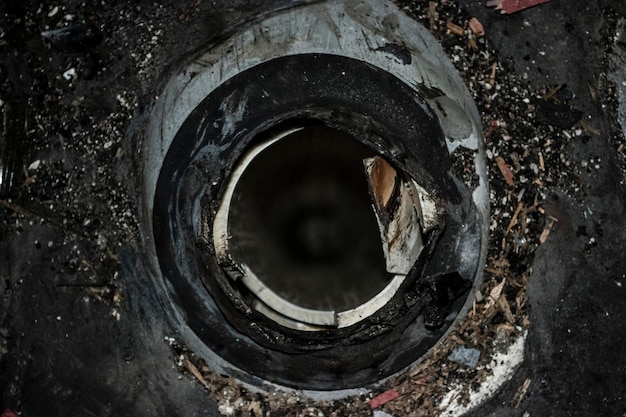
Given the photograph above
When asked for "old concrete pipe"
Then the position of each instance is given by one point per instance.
(331, 128)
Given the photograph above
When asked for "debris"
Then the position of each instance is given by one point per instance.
(546, 230)
(590, 129)
(520, 205)
(383, 181)
(398, 212)
(513, 6)
(378, 413)
(592, 92)
(196, 373)
(255, 409)
(505, 308)
(454, 28)
(465, 356)
(54, 11)
(553, 91)
(34, 166)
(421, 380)
(492, 77)
(521, 393)
(432, 15)
(494, 295)
(70, 74)
(506, 172)
(503, 365)
(476, 27)
(383, 398)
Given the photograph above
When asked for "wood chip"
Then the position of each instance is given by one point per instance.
(473, 44)
(521, 393)
(505, 308)
(494, 295)
(546, 230)
(255, 409)
(550, 94)
(195, 372)
(421, 380)
(520, 205)
(383, 398)
(432, 15)
(454, 28)
(456, 339)
(476, 27)
(590, 129)
(513, 6)
(492, 77)
(542, 165)
(520, 299)
(592, 92)
(506, 172)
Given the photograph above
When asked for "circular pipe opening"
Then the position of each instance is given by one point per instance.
(316, 229)
(301, 218)
(212, 130)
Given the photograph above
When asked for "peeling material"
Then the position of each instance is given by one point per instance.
(397, 212)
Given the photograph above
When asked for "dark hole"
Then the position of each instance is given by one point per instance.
(302, 220)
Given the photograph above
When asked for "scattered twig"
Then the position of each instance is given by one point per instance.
(454, 28)
(547, 229)
(592, 92)
(196, 373)
(15, 208)
(521, 393)
(492, 77)
(432, 15)
(590, 129)
(520, 205)
(506, 172)
(505, 308)
(494, 295)
(553, 91)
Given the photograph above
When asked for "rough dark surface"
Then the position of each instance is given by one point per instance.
(574, 355)
(78, 333)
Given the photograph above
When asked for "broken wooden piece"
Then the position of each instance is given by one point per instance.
(398, 212)
(506, 171)
(513, 6)
(476, 27)
(384, 398)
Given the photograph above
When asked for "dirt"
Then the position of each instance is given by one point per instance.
(69, 297)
